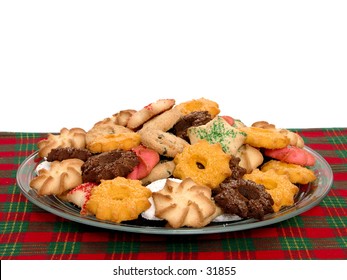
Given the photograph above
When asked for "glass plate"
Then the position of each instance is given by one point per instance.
(309, 196)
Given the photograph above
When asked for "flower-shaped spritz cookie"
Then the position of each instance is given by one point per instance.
(185, 204)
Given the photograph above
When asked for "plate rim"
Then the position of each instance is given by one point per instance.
(211, 229)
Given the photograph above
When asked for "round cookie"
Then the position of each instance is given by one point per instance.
(59, 178)
(243, 198)
(205, 163)
(118, 200)
(185, 204)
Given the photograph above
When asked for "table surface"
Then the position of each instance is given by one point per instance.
(28, 232)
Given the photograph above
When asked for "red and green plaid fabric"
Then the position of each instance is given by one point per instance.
(28, 232)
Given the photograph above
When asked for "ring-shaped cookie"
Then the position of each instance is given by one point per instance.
(205, 163)
(118, 200)
(278, 186)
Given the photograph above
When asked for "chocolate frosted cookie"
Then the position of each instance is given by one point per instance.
(109, 165)
(193, 119)
(237, 171)
(244, 198)
(61, 154)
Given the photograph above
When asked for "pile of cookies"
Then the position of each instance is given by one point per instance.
(206, 165)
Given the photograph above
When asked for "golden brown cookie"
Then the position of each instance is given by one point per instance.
(185, 204)
(106, 136)
(122, 141)
(61, 177)
(201, 104)
(205, 163)
(294, 138)
(278, 186)
(297, 174)
(74, 137)
(118, 200)
(265, 138)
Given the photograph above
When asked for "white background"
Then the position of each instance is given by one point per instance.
(72, 63)
(245, 270)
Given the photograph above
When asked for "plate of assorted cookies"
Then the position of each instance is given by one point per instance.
(175, 169)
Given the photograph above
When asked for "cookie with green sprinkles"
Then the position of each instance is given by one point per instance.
(220, 131)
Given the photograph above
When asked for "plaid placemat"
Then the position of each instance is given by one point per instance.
(28, 232)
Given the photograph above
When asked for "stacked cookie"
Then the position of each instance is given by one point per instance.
(108, 170)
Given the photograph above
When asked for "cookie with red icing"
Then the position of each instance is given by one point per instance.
(80, 195)
(292, 154)
(147, 160)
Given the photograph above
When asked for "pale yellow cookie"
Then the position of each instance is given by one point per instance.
(74, 137)
(120, 118)
(162, 170)
(59, 178)
(250, 157)
(154, 134)
(185, 204)
(149, 111)
(219, 131)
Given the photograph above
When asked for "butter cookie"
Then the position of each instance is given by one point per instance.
(297, 174)
(74, 137)
(59, 178)
(205, 163)
(118, 200)
(278, 186)
(185, 204)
